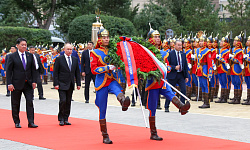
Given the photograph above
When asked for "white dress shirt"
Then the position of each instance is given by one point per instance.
(20, 55)
(67, 59)
(36, 62)
(176, 52)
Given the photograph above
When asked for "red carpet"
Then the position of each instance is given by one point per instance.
(85, 134)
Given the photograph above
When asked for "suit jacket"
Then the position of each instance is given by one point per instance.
(173, 62)
(62, 74)
(85, 62)
(15, 73)
(40, 69)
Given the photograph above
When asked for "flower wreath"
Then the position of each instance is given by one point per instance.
(145, 69)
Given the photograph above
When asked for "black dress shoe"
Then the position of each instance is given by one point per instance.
(52, 88)
(158, 107)
(72, 100)
(67, 123)
(87, 101)
(17, 125)
(133, 104)
(42, 98)
(61, 123)
(166, 109)
(8, 94)
(32, 125)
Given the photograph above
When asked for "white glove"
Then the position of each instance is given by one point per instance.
(231, 56)
(242, 66)
(193, 56)
(111, 67)
(166, 64)
(217, 56)
(245, 56)
(227, 65)
(214, 67)
(189, 66)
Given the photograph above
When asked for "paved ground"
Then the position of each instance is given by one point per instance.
(220, 121)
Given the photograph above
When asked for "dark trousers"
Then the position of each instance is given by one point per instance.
(39, 87)
(16, 100)
(7, 89)
(180, 80)
(88, 78)
(65, 103)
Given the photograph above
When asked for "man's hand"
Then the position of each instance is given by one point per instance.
(78, 87)
(83, 74)
(57, 87)
(111, 67)
(34, 85)
(5, 73)
(177, 67)
(11, 87)
(186, 80)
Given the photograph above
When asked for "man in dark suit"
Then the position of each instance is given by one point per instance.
(21, 78)
(12, 50)
(65, 71)
(179, 70)
(39, 72)
(86, 70)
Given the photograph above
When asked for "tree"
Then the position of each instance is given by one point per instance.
(81, 27)
(240, 16)
(159, 17)
(200, 15)
(43, 10)
(117, 8)
(66, 16)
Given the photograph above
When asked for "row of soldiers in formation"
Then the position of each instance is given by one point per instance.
(47, 56)
(210, 65)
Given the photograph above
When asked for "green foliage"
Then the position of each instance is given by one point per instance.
(200, 15)
(159, 17)
(81, 27)
(117, 8)
(66, 16)
(115, 60)
(33, 36)
(240, 15)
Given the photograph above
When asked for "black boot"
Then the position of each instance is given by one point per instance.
(206, 103)
(223, 98)
(125, 102)
(248, 98)
(153, 131)
(105, 135)
(183, 108)
(212, 94)
(235, 97)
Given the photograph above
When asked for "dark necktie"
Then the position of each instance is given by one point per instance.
(69, 63)
(23, 60)
(179, 61)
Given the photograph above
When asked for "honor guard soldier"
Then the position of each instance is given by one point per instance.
(194, 68)
(188, 52)
(155, 89)
(204, 69)
(213, 57)
(236, 69)
(166, 45)
(105, 81)
(223, 68)
(216, 51)
(44, 59)
(54, 55)
(247, 70)
(2, 65)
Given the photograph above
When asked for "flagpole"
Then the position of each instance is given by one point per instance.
(176, 90)
(141, 106)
